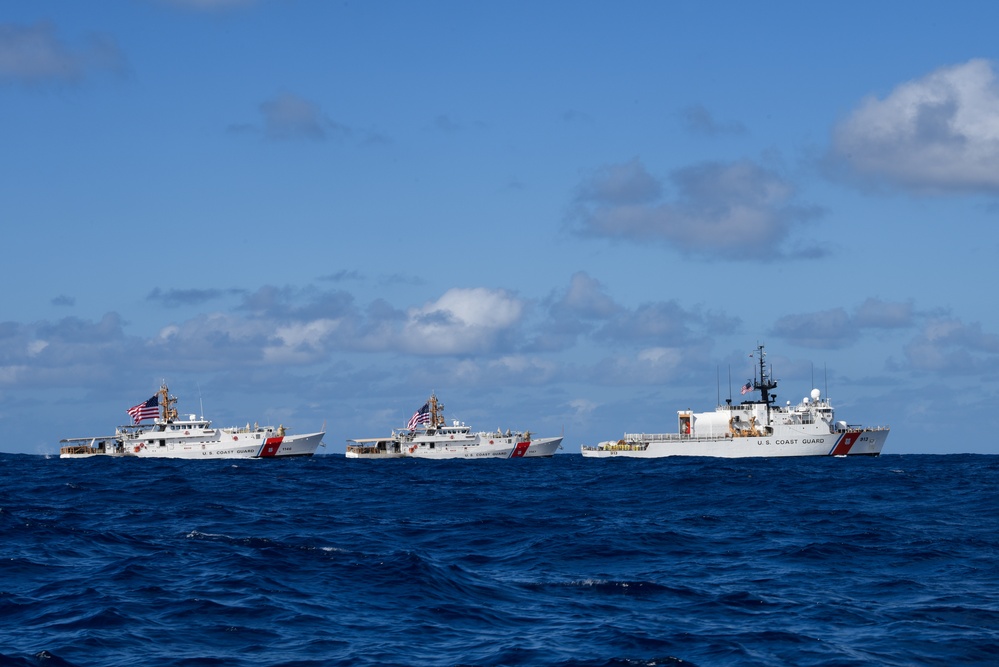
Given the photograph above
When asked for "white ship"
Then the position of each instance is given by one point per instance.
(753, 428)
(170, 436)
(427, 436)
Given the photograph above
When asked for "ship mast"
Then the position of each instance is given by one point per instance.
(436, 412)
(766, 382)
(167, 402)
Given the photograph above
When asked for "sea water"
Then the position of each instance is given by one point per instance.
(561, 561)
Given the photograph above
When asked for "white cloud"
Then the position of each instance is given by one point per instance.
(661, 355)
(939, 133)
(300, 342)
(36, 346)
(462, 321)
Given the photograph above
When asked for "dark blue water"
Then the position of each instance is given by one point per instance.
(562, 561)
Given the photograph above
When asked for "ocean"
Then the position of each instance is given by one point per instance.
(562, 561)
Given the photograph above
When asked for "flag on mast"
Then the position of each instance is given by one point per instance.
(421, 416)
(148, 410)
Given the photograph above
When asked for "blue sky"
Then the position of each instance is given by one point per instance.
(570, 217)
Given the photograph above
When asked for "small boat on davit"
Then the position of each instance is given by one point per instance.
(753, 428)
(170, 436)
(427, 436)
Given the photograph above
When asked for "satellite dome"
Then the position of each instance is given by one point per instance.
(815, 394)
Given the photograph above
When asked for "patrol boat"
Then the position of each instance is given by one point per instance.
(173, 437)
(427, 436)
(753, 428)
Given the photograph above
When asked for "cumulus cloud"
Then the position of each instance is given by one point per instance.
(45, 353)
(585, 310)
(214, 340)
(300, 342)
(662, 322)
(299, 326)
(936, 134)
(586, 298)
(836, 328)
(573, 312)
(879, 314)
(462, 321)
(651, 365)
(737, 210)
(626, 183)
(831, 328)
(35, 55)
(947, 344)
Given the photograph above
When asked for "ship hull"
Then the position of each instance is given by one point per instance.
(857, 442)
(225, 445)
(494, 448)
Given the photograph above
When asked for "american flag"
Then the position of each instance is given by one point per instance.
(422, 416)
(148, 410)
(748, 387)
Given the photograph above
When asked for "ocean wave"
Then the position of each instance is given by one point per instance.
(569, 562)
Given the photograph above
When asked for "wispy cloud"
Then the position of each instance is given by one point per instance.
(698, 120)
(173, 298)
(291, 117)
(63, 300)
(35, 55)
(211, 5)
(446, 124)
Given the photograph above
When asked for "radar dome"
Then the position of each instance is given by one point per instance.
(815, 394)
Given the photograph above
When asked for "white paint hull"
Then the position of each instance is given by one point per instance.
(225, 445)
(494, 448)
(857, 442)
